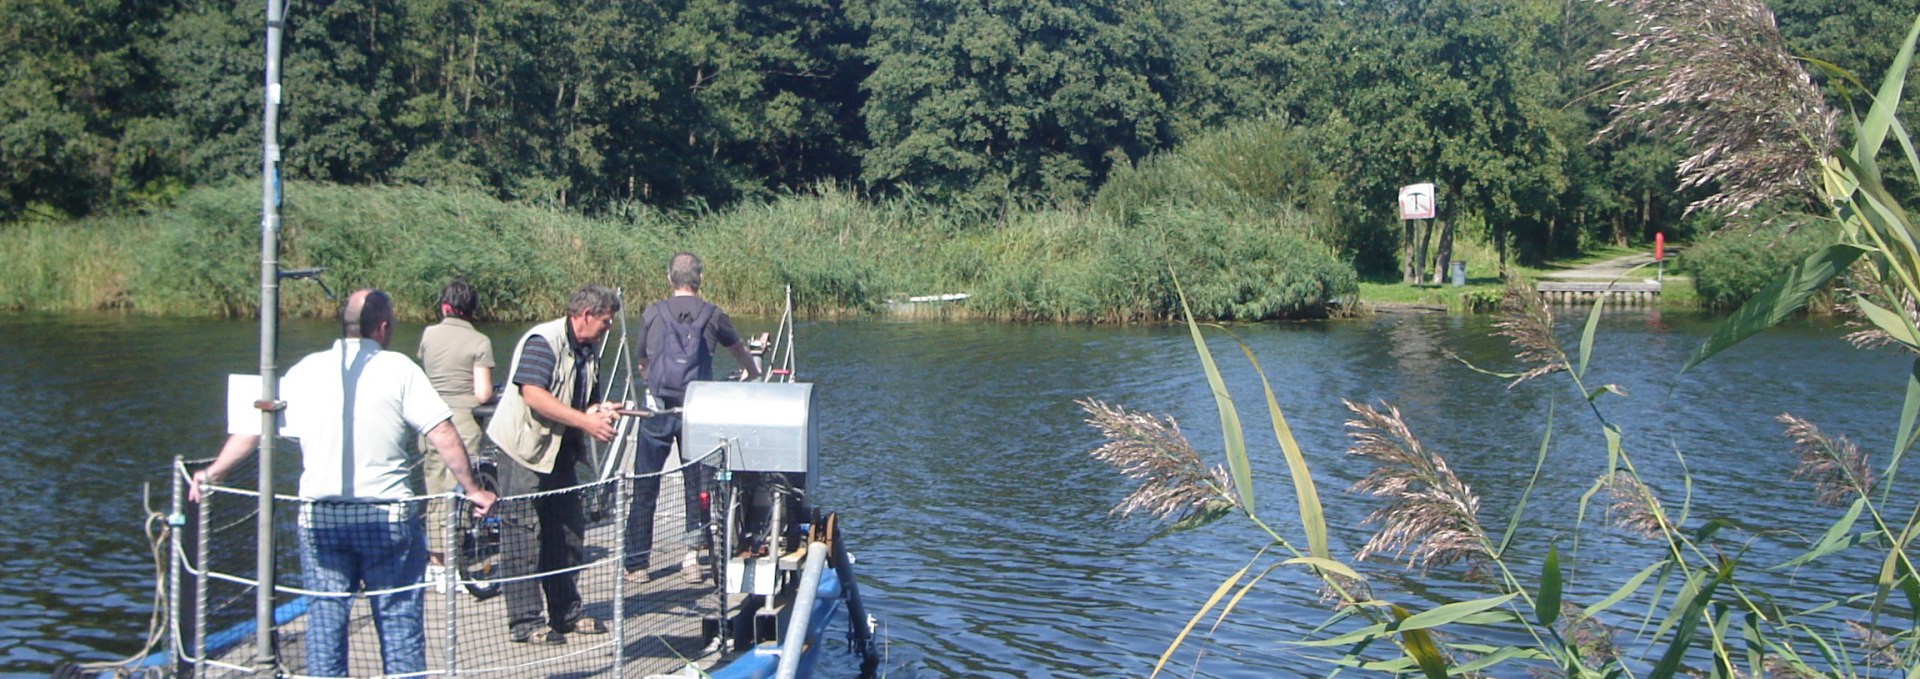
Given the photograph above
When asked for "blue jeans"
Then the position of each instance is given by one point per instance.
(346, 548)
(658, 435)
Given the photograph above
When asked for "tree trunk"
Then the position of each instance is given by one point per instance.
(1408, 273)
(1426, 245)
(1500, 247)
(1443, 257)
(1646, 211)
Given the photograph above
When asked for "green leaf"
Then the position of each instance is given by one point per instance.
(1547, 609)
(1701, 587)
(1626, 589)
(1911, 588)
(1236, 445)
(1612, 434)
(1889, 322)
(1838, 537)
(1586, 336)
(1712, 526)
(1890, 571)
(1327, 565)
(1442, 615)
(1778, 300)
(1501, 655)
(1420, 645)
(1312, 519)
(1909, 412)
(1242, 594)
(1539, 462)
(1225, 586)
(1873, 130)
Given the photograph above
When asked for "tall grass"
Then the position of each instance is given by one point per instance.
(51, 266)
(842, 253)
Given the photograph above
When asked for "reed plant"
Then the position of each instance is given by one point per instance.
(840, 252)
(1694, 69)
(64, 266)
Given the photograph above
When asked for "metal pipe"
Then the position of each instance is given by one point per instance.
(856, 609)
(269, 338)
(795, 641)
(450, 561)
(177, 522)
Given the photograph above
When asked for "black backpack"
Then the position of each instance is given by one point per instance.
(683, 355)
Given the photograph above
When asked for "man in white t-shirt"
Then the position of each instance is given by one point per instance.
(354, 407)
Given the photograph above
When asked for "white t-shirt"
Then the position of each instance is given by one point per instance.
(381, 395)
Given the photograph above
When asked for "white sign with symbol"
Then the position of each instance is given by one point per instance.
(1416, 201)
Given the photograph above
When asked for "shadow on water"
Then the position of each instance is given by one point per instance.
(958, 460)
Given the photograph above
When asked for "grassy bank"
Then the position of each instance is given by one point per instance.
(841, 254)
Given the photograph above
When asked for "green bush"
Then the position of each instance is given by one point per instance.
(1731, 266)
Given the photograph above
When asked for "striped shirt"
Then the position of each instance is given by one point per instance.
(536, 369)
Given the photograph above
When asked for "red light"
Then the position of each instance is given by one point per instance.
(706, 501)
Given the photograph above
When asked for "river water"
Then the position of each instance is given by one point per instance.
(957, 457)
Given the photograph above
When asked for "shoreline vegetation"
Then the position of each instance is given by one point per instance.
(842, 253)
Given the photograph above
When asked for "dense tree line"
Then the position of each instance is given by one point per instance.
(981, 104)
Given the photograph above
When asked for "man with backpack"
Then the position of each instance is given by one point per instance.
(680, 333)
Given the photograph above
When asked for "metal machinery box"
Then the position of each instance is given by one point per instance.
(769, 424)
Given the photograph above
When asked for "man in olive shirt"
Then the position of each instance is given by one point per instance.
(459, 362)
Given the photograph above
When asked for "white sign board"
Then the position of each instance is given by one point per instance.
(242, 417)
(1416, 201)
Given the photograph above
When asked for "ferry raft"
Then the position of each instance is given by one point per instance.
(751, 594)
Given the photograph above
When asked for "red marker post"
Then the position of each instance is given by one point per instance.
(1660, 254)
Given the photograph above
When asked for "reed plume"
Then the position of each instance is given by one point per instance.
(1431, 517)
(1634, 506)
(1174, 483)
(1527, 323)
(1836, 467)
(1880, 650)
(1718, 76)
(1584, 632)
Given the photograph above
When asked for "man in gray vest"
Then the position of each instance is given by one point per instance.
(542, 422)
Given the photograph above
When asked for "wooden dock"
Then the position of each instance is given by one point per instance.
(1576, 292)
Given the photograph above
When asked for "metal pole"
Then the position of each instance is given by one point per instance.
(269, 339)
(176, 550)
(795, 641)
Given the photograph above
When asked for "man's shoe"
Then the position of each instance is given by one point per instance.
(556, 638)
(520, 635)
(589, 626)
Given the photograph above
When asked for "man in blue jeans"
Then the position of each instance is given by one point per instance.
(679, 334)
(354, 407)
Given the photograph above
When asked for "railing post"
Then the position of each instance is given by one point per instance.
(450, 579)
(177, 642)
(623, 489)
(200, 589)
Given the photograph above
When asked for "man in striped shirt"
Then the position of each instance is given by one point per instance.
(543, 422)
